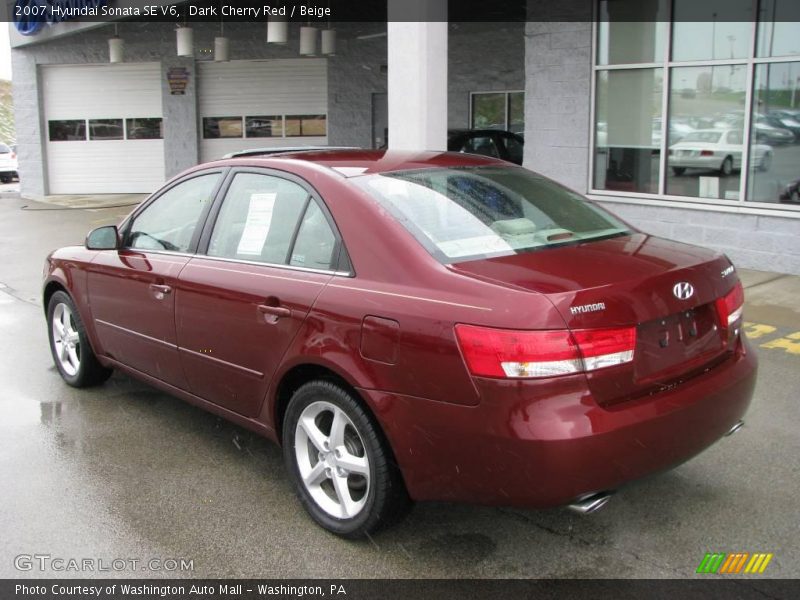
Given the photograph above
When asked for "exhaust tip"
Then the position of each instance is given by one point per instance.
(590, 503)
(736, 427)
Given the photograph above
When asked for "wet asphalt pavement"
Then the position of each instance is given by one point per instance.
(125, 472)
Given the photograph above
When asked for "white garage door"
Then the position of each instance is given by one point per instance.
(104, 128)
(246, 104)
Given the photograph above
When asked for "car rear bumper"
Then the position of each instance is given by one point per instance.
(540, 444)
(696, 162)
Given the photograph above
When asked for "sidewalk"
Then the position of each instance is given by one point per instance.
(89, 200)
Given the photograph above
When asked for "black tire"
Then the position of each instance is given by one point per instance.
(383, 493)
(89, 371)
(726, 168)
(5, 179)
(679, 170)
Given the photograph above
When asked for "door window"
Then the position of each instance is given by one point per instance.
(315, 242)
(169, 223)
(483, 145)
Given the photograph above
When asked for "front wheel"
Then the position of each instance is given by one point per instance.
(70, 346)
(341, 467)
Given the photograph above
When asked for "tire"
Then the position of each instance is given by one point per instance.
(69, 344)
(5, 179)
(679, 170)
(726, 168)
(353, 487)
(766, 162)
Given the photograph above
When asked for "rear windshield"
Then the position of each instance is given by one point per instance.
(471, 213)
(4, 149)
(703, 136)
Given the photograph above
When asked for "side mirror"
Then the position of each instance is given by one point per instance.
(103, 238)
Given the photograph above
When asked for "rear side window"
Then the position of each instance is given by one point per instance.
(470, 213)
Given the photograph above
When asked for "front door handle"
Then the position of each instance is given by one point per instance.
(159, 291)
(273, 313)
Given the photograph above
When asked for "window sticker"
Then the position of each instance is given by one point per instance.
(259, 217)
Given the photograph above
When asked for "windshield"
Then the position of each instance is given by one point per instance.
(469, 213)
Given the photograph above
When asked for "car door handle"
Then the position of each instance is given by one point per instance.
(274, 311)
(159, 291)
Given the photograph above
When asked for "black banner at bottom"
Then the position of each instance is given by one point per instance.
(399, 589)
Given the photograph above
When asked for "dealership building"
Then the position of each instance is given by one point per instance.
(682, 117)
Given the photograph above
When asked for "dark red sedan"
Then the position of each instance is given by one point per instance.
(412, 326)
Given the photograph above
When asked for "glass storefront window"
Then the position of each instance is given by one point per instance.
(631, 32)
(628, 130)
(711, 30)
(489, 111)
(706, 131)
(775, 134)
(516, 112)
(779, 22)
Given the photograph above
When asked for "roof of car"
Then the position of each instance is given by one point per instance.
(351, 163)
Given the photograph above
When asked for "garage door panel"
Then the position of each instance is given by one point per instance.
(105, 167)
(87, 92)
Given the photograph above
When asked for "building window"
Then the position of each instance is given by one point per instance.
(258, 127)
(306, 125)
(106, 129)
(673, 115)
(498, 110)
(222, 127)
(144, 129)
(67, 131)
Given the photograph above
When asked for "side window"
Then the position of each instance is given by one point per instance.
(482, 144)
(171, 220)
(258, 219)
(315, 242)
(514, 149)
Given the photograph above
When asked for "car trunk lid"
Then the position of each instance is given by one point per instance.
(636, 281)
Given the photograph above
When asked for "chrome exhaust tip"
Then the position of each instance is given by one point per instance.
(590, 503)
(736, 427)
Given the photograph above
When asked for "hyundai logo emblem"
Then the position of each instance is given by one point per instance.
(683, 290)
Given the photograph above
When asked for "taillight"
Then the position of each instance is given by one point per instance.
(730, 306)
(512, 353)
(706, 153)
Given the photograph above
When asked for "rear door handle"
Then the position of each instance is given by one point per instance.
(159, 291)
(274, 311)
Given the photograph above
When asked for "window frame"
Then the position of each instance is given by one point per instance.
(125, 227)
(344, 266)
(506, 105)
(661, 198)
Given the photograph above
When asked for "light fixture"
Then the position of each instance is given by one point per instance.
(308, 41)
(222, 45)
(328, 44)
(116, 47)
(185, 40)
(277, 31)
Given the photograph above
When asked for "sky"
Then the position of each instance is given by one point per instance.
(5, 52)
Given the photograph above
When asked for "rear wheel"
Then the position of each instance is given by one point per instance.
(766, 162)
(69, 344)
(341, 467)
(727, 166)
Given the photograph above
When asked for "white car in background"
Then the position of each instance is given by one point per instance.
(8, 163)
(717, 149)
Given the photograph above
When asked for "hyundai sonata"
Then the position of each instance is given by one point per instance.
(426, 326)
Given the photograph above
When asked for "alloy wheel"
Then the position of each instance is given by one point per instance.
(66, 340)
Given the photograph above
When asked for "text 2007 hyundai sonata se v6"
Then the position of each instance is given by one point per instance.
(412, 327)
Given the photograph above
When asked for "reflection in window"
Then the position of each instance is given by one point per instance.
(222, 127)
(516, 112)
(305, 125)
(712, 29)
(144, 129)
(106, 129)
(67, 131)
(779, 22)
(775, 134)
(706, 128)
(489, 111)
(631, 31)
(628, 130)
(258, 127)
(169, 223)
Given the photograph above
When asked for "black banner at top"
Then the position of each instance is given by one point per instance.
(29, 12)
